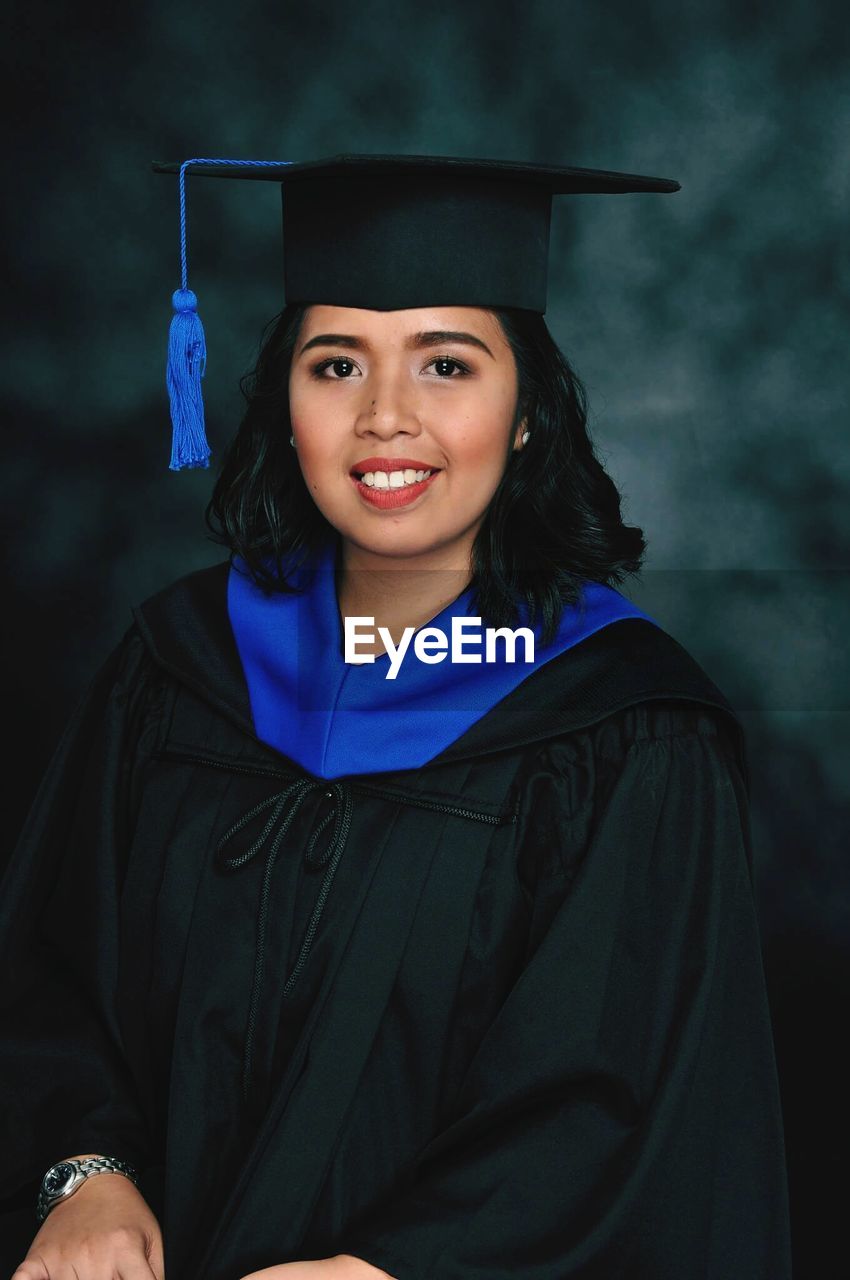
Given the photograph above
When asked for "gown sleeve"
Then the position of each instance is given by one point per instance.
(65, 1086)
(620, 1119)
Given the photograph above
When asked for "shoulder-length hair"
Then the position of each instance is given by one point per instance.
(553, 521)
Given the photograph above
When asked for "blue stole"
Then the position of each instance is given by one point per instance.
(336, 718)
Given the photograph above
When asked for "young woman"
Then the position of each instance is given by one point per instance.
(349, 941)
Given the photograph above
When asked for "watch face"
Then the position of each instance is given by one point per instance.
(58, 1178)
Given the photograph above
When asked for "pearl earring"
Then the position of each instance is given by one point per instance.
(525, 436)
(292, 441)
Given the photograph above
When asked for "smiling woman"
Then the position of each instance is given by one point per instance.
(428, 970)
(524, 515)
(394, 406)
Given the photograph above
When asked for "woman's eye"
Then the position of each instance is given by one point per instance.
(446, 367)
(440, 362)
(336, 362)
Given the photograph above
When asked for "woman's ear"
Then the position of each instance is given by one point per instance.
(521, 435)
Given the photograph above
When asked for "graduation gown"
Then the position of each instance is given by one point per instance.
(501, 1014)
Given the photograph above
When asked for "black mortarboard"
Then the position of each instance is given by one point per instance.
(387, 233)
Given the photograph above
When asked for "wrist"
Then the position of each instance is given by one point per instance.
(65, 1178)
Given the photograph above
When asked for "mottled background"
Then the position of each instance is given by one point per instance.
(710, 328)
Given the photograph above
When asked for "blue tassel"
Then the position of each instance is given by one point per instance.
(187, 348)
(187, 358)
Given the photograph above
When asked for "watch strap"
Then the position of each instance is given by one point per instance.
(83, 1169)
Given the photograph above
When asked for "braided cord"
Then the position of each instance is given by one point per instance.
(266, 164)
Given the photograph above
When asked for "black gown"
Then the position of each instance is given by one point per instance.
(503, 1015)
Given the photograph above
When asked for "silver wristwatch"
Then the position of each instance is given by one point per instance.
(66, 1177)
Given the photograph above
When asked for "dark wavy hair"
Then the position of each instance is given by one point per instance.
(553, 520)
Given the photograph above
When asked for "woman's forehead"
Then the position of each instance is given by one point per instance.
(391, 325)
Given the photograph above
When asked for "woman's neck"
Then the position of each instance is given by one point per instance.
(396, 593)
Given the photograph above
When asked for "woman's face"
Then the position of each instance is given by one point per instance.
(387, 394)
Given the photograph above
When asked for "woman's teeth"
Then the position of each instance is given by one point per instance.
(393, 479)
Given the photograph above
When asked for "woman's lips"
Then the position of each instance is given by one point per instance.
(390, 499)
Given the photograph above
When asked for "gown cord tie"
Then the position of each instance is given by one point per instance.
(282, 807)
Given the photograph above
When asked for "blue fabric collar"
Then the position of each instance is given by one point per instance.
(336, 718)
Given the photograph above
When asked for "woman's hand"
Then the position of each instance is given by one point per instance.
(105, 1229)
(342, 1267)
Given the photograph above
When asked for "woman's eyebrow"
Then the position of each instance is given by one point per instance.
(429, 338)
(436, 337)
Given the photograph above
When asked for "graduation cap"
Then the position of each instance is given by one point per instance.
(388, 232)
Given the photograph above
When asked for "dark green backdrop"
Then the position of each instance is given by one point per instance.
(710, 328)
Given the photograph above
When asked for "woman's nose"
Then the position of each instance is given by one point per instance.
(389, 406)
